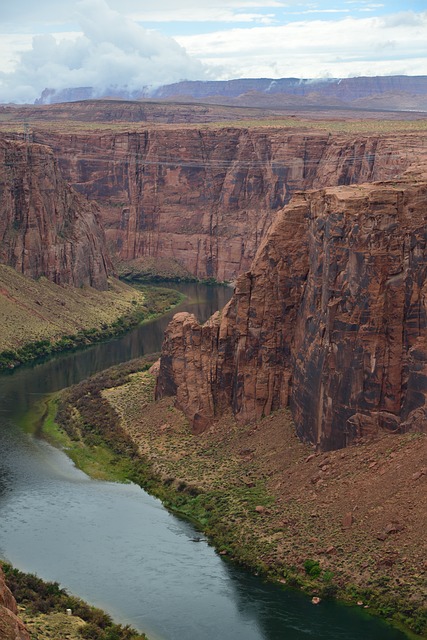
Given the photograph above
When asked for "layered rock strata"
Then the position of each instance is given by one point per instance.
(331, 320)
(46, 228)
(328, 91)
(205, 197)
(11, 627)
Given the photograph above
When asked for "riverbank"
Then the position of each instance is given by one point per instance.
(39, 318)
(161, 271)
(343, 524)
(50, 613)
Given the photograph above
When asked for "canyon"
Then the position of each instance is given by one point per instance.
(204, 197)
(322, 227)
(325, 226)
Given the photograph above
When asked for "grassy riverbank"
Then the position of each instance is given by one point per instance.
(39, 318)
(341, 524)
(43, 609)
(147, 270)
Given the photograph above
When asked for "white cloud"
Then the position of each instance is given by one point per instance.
(112, 51)
(98, 42)
(22, 13)
(350, 46)
(404, 19)
(203, 14)
(11, 47)
(310, 11)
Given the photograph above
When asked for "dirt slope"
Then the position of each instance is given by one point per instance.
(358, 513)
(33, 310)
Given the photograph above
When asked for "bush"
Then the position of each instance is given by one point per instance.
(312, 568)
(45, 597)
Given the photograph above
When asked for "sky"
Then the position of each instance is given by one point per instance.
(144, 43)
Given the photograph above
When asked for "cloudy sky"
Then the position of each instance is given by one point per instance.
(137, 43)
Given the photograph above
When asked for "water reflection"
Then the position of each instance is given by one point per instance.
(4, 481)
(287, 614)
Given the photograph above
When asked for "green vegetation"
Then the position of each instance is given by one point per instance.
(151, 278)
(38, 596)
(89, 429)
(146, 270)
(83, 423)
(153, 270)
(312, 568)
(232, 515)
(156, 302)
(390, 605)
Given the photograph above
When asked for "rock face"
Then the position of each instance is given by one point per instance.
(46, 228)
(205, 197)
(11, 627)
(331, 320)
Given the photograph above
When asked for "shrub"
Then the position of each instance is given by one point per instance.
(312, 568)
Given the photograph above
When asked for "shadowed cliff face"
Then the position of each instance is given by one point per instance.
(330, 319)
(206, 197)
(46, 228)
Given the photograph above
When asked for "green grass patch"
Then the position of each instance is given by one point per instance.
(95, 459)
(89, 430)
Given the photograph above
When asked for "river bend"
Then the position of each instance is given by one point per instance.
(117, 547)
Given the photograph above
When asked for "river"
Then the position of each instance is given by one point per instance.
(117, 547)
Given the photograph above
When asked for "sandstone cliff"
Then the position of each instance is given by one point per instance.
(330, 319)
(11, 627)
(205, 197)
(46, 228)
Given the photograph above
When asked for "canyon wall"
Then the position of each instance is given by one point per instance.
(206, 196)
(11, 627)
(46, 228)
(331, 320)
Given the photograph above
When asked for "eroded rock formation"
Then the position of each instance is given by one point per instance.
(11, 627)
(206, 197)
(46, 228)
(331, 319)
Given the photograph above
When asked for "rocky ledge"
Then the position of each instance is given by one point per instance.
(331, 320)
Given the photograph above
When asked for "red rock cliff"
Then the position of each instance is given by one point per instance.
(11, 627)
(330, 319)
(46, 228)
(205, 197)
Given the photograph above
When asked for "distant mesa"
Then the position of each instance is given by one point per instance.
(378, 92)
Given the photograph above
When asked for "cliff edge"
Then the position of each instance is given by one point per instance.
(205, 197)
(331, 320)
(46, 228)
